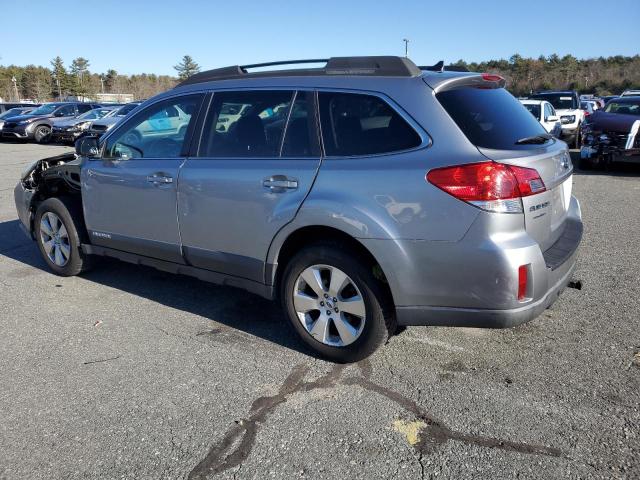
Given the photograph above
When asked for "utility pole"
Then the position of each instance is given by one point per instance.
(15, 88)
(406, 47)
(102, 83)
(59, 91)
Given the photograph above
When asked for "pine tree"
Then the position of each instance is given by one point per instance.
(79, 70)
(187, 67)
(59, 77)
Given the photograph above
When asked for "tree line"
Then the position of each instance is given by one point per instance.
(602, 76)
(57, 81)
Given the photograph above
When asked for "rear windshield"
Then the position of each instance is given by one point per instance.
(491, 118)
(560, 101)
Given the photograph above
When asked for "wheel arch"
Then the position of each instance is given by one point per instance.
(298, 238)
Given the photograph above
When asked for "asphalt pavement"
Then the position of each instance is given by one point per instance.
(128, 372)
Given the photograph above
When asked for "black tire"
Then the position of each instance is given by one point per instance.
(70, 214)
(379, 323)
(577, 141)
(42, 134)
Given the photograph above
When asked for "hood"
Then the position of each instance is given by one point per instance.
(612, 122)
(20, 118)
(107, 120)
(66, 121)
(566, 111)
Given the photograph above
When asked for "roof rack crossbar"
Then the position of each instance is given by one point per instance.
(372, 66)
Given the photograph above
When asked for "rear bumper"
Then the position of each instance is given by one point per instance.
(486, 318)
(474, 282)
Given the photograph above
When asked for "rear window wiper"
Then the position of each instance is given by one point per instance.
(536, 139)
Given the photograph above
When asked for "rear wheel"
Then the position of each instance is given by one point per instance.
(42, 133)
(59, 228)
(335, 303)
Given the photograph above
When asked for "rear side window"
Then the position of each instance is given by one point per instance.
(85, 108)
(490, 118)
(357, 124)
(246, 124)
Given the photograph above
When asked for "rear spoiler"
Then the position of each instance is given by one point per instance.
(475, 80)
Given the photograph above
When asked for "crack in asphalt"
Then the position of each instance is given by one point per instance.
(238, 442)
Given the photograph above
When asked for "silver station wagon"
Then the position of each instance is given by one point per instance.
(365, 194)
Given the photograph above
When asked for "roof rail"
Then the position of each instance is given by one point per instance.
(383, 66)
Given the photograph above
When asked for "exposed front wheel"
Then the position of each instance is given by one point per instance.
(577, 143)
(42, 134)
(335, 303)
(57, 225)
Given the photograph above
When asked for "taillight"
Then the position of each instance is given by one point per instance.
(492, 186)
(522, 282)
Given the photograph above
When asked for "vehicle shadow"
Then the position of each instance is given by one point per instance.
(617, 169)
(229, 306)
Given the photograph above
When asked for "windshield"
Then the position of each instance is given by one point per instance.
(491, 118)
(625, 108)
(45, 109)
(11, 113)
(126, 109)
(95, 113)
(560, 101)
(533, 109)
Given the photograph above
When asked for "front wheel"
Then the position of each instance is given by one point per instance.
(42, 134)
(59, 227)
(335, 303)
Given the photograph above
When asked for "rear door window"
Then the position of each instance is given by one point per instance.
(246, 124)
(358, 124)
(490, 118)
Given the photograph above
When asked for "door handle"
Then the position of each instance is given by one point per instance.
(159, 178)
(280, 183)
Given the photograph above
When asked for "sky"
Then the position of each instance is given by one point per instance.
(151, 36)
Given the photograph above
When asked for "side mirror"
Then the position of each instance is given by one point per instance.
(553, 118)
(88, 147)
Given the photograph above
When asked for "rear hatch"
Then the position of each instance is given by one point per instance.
(505, 132)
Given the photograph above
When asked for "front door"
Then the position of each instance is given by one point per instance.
(130, 193)
(257, 160)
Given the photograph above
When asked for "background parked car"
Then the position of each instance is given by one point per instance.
(37, 126)
(70, 129)
(587, 107)
(611, 134)
(13, 112)
(630, 93)
(4, 106)
(544, 112)
(567, 105)
(105, 124)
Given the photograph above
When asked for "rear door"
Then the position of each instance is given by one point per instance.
(256, 161)
(504, 131)
(130, 194)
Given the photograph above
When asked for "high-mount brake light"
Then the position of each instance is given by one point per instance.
(491, 77)
(491, 186)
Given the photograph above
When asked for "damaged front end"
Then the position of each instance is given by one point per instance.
(50, 177)
(603, 145)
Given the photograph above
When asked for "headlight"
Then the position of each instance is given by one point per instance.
(82, 126)
(565, 119)
(24, 122)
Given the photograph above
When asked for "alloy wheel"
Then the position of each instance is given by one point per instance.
(55, 239)
(329, 305)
